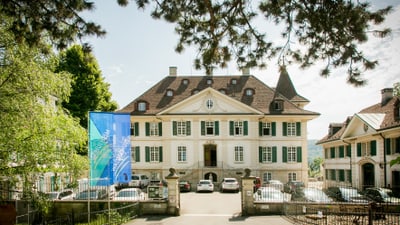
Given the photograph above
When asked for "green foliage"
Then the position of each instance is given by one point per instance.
(89, 90)
(314, 168)
(37, 135)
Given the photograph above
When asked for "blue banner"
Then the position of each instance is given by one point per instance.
(109, 148)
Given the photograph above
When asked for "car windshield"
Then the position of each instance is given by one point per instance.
(205, 182)
(135, 178)
(230, 181)
(127, 194)
(350, 192)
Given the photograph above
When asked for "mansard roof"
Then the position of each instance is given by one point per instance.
(234, 86)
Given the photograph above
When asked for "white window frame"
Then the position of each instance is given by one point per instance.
(267, 176)
(239, 154)
(182, 154)
(291, 129)
(291, 154)
(181, 128)
(209, 126)
(154, 154)
(133, 154)
(292, 176)
(266, 128)
(365, 149)
(238, 128)
(142, 106)
(154, 129)
(266, 154)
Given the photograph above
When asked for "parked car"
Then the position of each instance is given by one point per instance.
(94, 194)
(139, 181)
(382, 195)
(311, 195)
(205, 185)
(345, 194)
(130, 194)
(293, 186)
(270, 194)
(185, 186)
(61, 195)
(278, 185)
(229, 184)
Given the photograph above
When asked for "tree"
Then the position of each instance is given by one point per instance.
(314, 167)
(327, 30)
(89, 90)
(37, 135)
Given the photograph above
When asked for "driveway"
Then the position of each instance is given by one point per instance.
(210, 208)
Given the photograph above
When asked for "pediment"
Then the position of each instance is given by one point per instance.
(210, 101)
(363, 124)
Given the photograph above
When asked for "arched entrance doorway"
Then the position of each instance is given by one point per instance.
(368, 172)
(211, 176)
(210, 155)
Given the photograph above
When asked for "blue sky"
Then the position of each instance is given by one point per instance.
(138, 50)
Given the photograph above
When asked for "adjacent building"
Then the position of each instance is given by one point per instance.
(211, 127)
(359, 150)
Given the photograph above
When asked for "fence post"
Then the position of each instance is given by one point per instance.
(172, 179)
(371, 213)
(247, 194)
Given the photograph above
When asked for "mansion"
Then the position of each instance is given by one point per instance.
(211, 127)
(359, 150)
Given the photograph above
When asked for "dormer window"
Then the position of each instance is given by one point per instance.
(278, 105)
(170, 93)
(223, 91)
(142, 106)
(185, 81)
(249, 92)
(233, 81)
(209, 81)
(195, 91)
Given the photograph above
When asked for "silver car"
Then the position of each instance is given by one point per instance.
(229, 184)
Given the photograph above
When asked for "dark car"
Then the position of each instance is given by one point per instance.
(185, 186)
(381, 195)
(346, 194)
(293, 186)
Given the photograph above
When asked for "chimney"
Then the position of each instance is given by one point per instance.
(246, 71)
(173, 70)
(387, 94)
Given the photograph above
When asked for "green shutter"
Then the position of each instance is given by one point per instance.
(273, 125)
(397, 150)
(341, 151)
(147, 152)
(160, 129)
(299, 156)
(332, 150)
(147, 129)
(260, 132)
(274, 154)
(246, 129)
(203, 128)
(387, 146)
(350, 176)
(188, 128)
(136, 124)
(260, 154)
(359, 149)
(348, 153)
(284, 154)
(298, 128)
(160, 154)
(373, 147)
(341, 175)
(284, 129)
(174, 131)
(137, 154)
(231, 127)
(216, 128)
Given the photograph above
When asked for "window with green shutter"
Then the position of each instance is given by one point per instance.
(341, 151)
(147, 153)
(245, 128)
(137, 154)
(359, 149)
(274, 155)
(160, 154)
(160, 129)
(284, 129)
(284, 154)
(203, 128)
(174, 128)
(348, 150)
(299, 155)
(373, 148)
(341, 175)
(188, 128)
(388, 149)
(332, 150)
(231, 128)
(298, 129)
(216, 124)
(147, 126)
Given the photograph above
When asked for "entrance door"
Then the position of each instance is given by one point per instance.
(210, 155)
(368, 175)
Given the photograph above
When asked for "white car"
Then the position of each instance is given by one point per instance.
(270, 194)
(229, 184)
(205, 185)
(139, 181)
(61, 195)
(134, 194)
